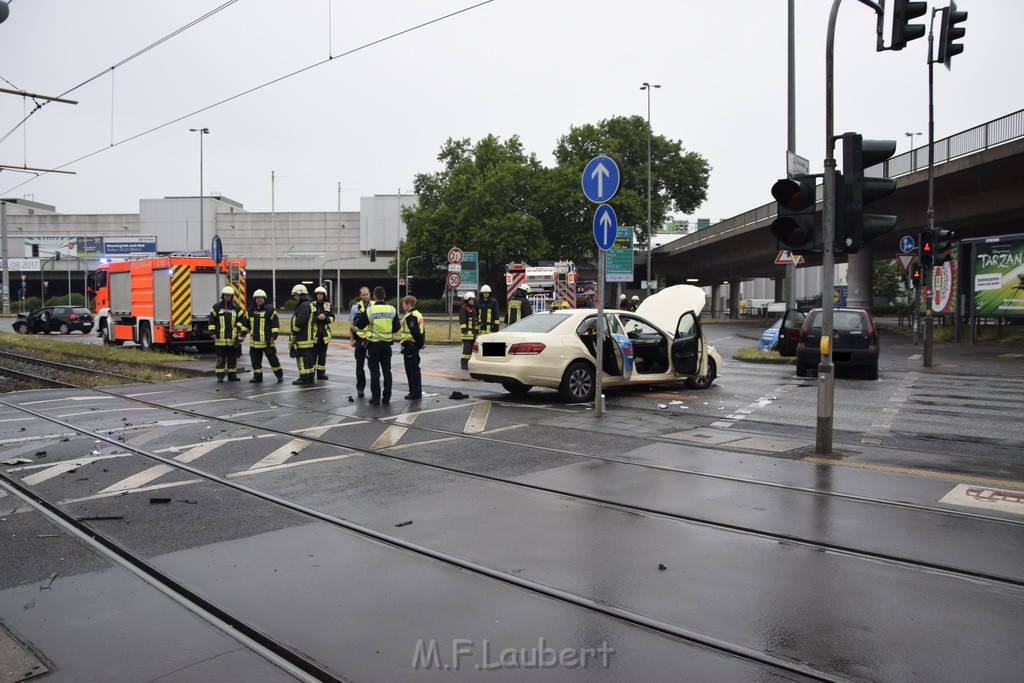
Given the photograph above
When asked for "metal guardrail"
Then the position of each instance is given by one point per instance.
(991, 134)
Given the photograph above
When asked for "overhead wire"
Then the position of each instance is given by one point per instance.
(256, 88)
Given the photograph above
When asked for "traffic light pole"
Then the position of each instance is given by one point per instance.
(929, 271)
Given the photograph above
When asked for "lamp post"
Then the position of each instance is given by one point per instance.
(648, 86)
(202, 225)
(913, 161)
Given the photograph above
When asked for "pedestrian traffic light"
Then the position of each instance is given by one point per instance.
(927, 240)
(950, 33)
(942, 245)
(854, 191)
(794, 226)
(902, 30)
(373, 254)
(915, 274)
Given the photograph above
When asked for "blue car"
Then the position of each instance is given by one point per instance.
(770, 337)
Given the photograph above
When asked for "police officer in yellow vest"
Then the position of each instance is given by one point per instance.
(227, 325)
(412, 338)
(264, 326)
(303, 334)
(519, 307)
(322, 319)
(381, 322)
(358, 337)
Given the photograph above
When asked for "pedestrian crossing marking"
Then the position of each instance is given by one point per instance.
(51, 470)
(287, 465)
(394, 433)
(146, 476)
(282, 454)
(477, 420)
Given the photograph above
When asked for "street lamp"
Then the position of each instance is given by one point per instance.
(647, 86)
(913, 161)
(202, 225)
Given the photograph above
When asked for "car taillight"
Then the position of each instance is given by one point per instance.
(74, 316)
(476, 347)
(525, 349)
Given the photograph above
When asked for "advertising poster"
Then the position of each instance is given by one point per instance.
(999, 279)
(944, 279)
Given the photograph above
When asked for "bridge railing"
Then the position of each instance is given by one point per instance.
(995, 132)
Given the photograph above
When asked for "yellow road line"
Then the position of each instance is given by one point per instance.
(917, 471)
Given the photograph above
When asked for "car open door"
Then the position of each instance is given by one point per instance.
(687, 350)
(789, 333)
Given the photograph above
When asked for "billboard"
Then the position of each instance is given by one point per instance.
(999, 278)
(944, 285)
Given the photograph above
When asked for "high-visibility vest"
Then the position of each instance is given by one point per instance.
(468, 322)
(515, 311)
(303, 328)
(264, 325)
(362, 333)
(405, 335)
(225, 323)
(381, 325)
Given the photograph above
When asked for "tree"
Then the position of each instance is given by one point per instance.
(679, 179)
(889, 280)
(483, 200)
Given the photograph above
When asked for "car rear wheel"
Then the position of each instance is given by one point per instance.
(578, 383)
(705, 381)
(64, 328)
(21, 327)
(871, 372)
(801, 369)
(516, 388)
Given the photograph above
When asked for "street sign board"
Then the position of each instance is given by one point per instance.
(216, 249)
(605, 227)
(601, 179)
(454, 280)
(455, 255)
(784, 258)
(619, 261)
(907, 244)
(796, 165)
(454, 267)
(905, 261)
(469, 271)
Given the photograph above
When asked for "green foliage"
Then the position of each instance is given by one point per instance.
(62, 300)
(30, 304)
(889, 281)
(289, 305)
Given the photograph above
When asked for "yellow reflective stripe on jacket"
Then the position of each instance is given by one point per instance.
(381, 317)
(405, 335)
(225, 324)
(364, 332)
(306, 333)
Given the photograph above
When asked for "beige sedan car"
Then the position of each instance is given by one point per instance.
(660, 343)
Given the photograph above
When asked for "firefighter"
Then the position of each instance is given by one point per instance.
(264, 327)
(412, 337)
(381, 323)
(468, 326)
(487, 311)
(634, 303)
(623, 303)
(358, 337)
(303, 333)
(519, 307)
(227, 326)
(322, 319)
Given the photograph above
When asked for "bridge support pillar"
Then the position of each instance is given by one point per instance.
(780, 289)
(734, 300)
(716, 301)
(860, 279)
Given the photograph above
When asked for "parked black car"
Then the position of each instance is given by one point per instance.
(63, 319)
(854, 340)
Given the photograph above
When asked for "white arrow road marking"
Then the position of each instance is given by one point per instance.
(157, 471)
(477, 420)
(601, 172)
(393, 433)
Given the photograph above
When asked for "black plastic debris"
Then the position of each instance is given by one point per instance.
(404, 523)
(159, 501)
(458, 395)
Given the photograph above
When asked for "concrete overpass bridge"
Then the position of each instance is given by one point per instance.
(979, 192)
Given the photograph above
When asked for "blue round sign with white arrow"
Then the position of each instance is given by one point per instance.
(606, 227)
(601, 179)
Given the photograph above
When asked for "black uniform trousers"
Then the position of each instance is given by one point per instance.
(360, 352)
(320, 358)
(226, 359)
(256, 357)
(378, 357)
(411, 355)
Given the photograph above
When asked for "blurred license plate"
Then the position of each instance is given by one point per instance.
(494, 349)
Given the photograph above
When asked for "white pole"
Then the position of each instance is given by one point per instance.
(273, 243)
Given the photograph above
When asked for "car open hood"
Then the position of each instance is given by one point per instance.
(664, 308)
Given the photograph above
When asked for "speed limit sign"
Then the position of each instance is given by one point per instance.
(454, 280)
(455, 255)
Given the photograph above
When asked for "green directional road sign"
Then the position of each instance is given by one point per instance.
(619, 266)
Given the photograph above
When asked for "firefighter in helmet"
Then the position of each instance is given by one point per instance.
(519, 307)
(227, 326)
(623, 302)
(303, 335)
(634, 303)
(468, 326)
(323, 317)
(264, 327)
(488, 311)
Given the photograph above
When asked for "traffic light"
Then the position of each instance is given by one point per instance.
(950, 33)
(942, 245)
(794, 226)
(373, 254)
(915, 274)
(35, 251)
(854, 191)
(927, 240)
(902, 30)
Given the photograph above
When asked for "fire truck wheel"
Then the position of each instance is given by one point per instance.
(145, 339)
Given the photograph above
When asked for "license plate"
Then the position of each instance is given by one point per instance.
(494, 349)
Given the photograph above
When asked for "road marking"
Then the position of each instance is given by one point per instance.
(14, 419)
(154, 487)
(148, 393)
(51, 470)
(199, 403)
(424, 412)
(251, 412)
(986, 498)
(49, 438)
(261, 470)
(916, 471)
(142, 478)
(70, 398)
(477, 420)
(282, 454)
(64, 416)
(452, 438)
(393, 433)
(321, 430)
(900, 396)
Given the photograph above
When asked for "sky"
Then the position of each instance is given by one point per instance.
(383, 84)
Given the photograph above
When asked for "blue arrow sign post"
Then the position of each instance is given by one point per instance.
(601, 179)
(606, 227)
(907, 244)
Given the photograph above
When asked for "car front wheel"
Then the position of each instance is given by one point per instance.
(705, 381)
(578, 383)
(21, 327)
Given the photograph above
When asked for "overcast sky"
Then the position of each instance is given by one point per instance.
(377, 114)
